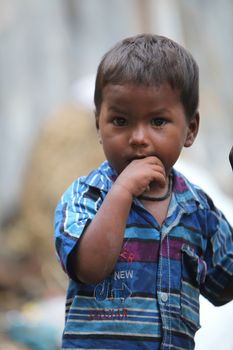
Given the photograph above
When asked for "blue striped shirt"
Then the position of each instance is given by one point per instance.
(151, 299)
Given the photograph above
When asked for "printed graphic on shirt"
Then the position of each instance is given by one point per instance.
(126, 255)
(105, 290)
(120, 290)
(108, 314)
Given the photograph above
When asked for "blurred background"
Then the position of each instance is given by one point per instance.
(49, 54)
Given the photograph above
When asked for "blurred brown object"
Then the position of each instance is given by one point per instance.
(66, 148)
(7, 344)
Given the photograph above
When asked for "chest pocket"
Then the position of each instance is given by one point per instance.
(193, 275)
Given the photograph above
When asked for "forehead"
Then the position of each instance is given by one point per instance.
(140, 96)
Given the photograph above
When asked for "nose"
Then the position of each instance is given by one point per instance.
(139, 136)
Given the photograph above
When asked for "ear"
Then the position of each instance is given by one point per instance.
(97, 121)
(97, 127)
(193, 128)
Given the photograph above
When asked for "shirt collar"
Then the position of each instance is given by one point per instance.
(188, 196)
(102, 178)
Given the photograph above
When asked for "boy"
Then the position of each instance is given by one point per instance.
(137, 239)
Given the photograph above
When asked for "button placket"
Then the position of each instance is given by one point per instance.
(164, 297)
(163, 285)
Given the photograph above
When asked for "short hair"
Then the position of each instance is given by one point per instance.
(150, 60)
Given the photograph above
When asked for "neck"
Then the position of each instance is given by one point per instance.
(156, 194)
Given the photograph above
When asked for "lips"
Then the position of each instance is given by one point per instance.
(129, 160)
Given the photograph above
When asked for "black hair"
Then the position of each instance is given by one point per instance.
(150, 60)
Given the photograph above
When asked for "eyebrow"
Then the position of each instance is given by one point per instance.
(116, 109)
(159, 111)
(120, 110)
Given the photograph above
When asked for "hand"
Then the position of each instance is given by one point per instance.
(138, 175)
(231, 157)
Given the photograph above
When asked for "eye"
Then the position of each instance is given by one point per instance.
(158, 122)
(119, 121)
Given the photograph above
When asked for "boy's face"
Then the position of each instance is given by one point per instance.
(139, 121)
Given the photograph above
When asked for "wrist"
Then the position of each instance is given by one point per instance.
(122, 190)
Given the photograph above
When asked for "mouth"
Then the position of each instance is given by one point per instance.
(129, 160)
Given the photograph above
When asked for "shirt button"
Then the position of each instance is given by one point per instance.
(164, 297)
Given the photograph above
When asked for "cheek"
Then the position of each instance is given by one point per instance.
(170, 152)
(113, 141)
(177, 139)
(111, 147)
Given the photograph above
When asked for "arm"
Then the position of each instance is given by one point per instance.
(228, 291)
(99, 247)
(219, 282)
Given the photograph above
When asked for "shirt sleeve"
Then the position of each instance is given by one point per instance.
(73, 214)
(219, 256)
